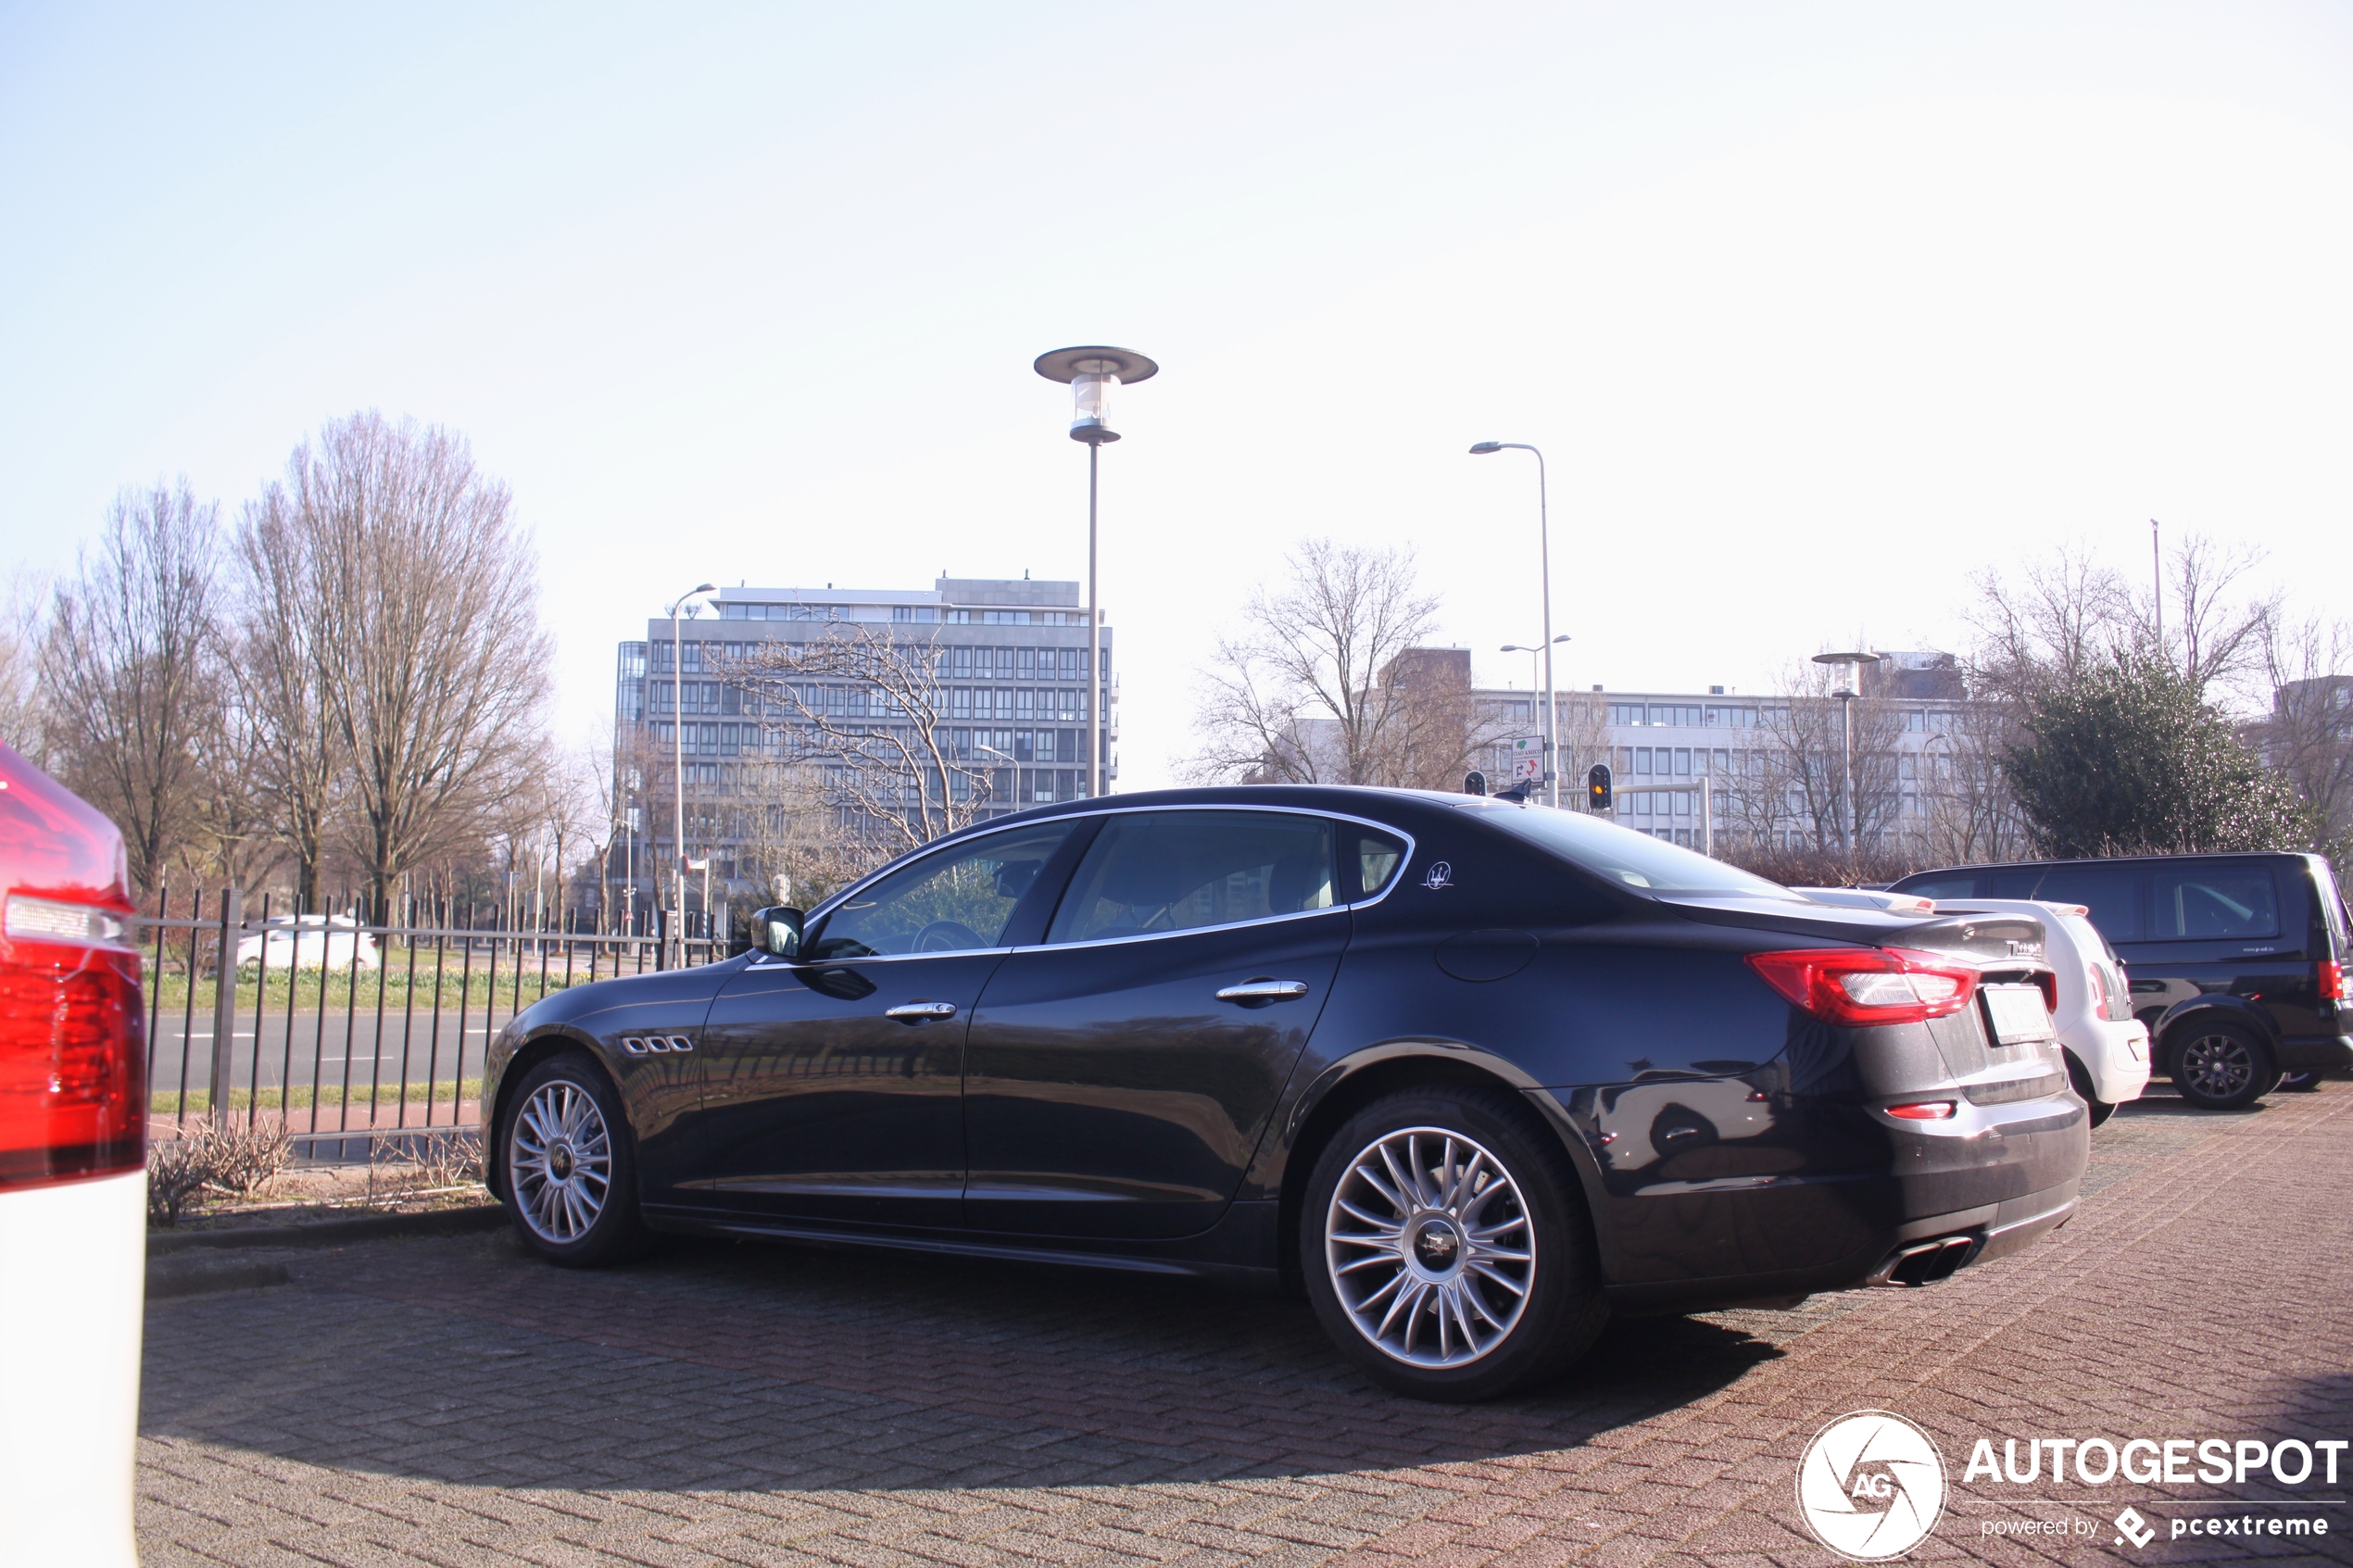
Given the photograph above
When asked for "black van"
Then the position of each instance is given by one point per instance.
(2237, 961)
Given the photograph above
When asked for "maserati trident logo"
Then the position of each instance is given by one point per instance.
(1441, 875)
(1871, 1485)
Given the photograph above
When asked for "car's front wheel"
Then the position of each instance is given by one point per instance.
(571, 1165)
(1446, 1245)
(2222, 1067)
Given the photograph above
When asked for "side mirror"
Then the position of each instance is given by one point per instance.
(776, 931)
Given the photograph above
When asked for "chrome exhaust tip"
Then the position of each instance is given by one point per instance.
(1925, 1263)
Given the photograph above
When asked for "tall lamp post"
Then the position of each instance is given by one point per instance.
(1092, 371)
(679, 759)
(1544, 560)
(1850, 826)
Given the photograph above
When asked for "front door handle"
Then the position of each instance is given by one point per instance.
(1258, 992)
(920, 1012)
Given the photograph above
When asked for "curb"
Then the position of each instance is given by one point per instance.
(332, 1233)
(168, 1277)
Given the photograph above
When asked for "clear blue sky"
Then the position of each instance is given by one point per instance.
(1814, 309)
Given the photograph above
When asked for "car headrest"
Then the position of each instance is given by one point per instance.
(1293, 881)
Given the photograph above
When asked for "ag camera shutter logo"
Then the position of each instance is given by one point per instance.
(1870, 1486)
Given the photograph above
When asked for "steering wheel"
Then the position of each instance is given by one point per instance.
(947, 937)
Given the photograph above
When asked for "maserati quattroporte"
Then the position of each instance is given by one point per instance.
(1472, 1074)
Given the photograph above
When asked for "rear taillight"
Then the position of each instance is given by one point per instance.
(2332, 981)
(2096, 983)
(1925, 1110)
(72, 1042)
(1860, 986)
(2047, 983)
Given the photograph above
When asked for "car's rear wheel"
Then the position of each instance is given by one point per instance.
(571, 1165)
(2221, 1066)
(2300, 1083)
(1446, 1245)
(2080, 1077)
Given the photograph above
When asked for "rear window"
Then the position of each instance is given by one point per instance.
(1627, 857)
(2111, 893)
(2193, 903)
(2331, 905)
(1940, 886)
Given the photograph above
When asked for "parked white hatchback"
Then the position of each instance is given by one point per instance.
(2108, 1049)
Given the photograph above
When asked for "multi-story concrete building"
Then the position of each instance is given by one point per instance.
(1012, 670)
(1773, 764)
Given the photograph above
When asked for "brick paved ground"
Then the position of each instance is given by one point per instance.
(449, 1401)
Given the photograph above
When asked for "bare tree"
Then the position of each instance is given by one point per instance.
(2308, 733)
(867, 711)
(290, 646)
(22, 626)
(1971, 815)
(439, 662)
(1297, 696)
(2215, 625)
(131, 671)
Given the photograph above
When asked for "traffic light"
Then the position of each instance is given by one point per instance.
(1597, 791)
(1474, 784)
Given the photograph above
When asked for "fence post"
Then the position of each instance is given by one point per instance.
(224, 1007)
(661, 950)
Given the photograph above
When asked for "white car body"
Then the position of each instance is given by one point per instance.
(2113, 1053)
(308, 942)
(73, 1276)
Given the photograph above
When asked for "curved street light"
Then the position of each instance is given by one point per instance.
(1545, 560)
(1092, 372)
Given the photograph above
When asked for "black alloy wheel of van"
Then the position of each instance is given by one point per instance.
(2222, 1066)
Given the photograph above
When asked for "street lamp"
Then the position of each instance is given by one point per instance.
(1545, 560)
(678, 754)
(1092, 371)
(1851, 828)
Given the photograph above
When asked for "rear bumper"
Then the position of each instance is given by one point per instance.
(2001, 1176)
(2117, 1060)
(2310, 1053)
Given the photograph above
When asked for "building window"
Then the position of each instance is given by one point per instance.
(1684, 761)
(960, 663)
(959, 702)
(1024, 707)
(1642, 759)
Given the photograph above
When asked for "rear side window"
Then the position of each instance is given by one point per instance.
(2111, 893)
(1178, 870)
(2191, 903)
(1374, 855)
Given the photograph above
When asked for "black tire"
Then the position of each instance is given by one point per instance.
(554, 1161)
(2082, 1079)
(1446, 1256)
(2299, 1082)
(2220, 1065)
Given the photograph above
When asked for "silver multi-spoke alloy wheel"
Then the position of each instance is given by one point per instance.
(561, 1159)
(1430, 1246)
(2218, 1065)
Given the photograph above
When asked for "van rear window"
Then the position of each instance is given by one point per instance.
(2211, 903)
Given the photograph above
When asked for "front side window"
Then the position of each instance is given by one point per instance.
(956, 902)
(1156, 872)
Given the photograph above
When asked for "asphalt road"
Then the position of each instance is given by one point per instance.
(449, 1400)
(325, 1043)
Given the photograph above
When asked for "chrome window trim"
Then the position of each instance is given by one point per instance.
(1396, 880)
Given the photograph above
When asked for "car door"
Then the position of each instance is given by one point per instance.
(831, 1082)
(1118, 1077)
(2221, 926)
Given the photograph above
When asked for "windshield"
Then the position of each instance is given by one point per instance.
(1623, 856)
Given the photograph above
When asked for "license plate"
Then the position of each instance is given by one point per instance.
(2017, 1013)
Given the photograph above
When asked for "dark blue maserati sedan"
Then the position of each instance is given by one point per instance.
(1472, 1074)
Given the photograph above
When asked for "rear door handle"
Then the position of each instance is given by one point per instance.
(920, 1012)
(1258, 992)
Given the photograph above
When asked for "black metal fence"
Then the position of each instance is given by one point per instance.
(346, 1034)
